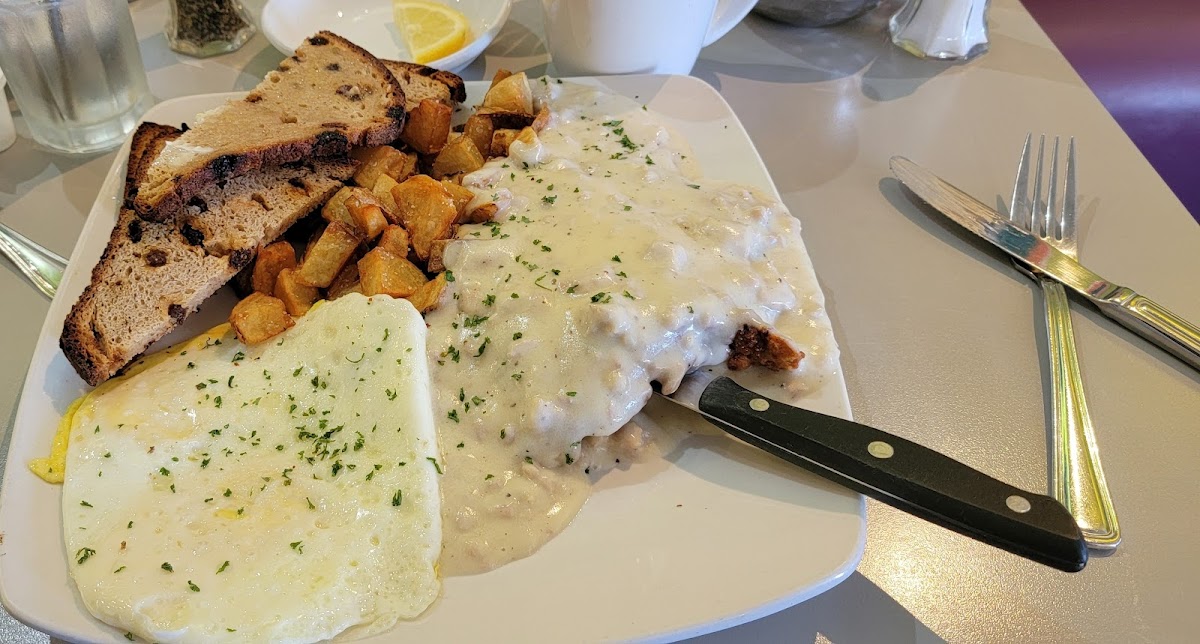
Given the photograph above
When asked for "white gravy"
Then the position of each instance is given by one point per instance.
(610, 265)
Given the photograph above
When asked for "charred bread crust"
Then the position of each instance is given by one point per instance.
(452, 81)
(327, 143)
(98, 337)
(80, 341)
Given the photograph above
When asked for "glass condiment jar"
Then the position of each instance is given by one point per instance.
(941, 29)
(207, 27)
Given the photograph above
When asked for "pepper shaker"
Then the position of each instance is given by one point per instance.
(203, 28)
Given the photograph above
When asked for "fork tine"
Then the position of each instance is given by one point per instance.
(1053, 224)
(1034, 224)
(1068, 209)
(1018, 206)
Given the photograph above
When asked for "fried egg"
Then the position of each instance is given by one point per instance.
(285, 492)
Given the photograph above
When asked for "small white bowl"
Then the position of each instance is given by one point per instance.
(369, 24)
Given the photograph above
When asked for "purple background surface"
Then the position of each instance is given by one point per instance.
(1142, 59)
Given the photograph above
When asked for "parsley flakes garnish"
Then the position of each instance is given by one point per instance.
(435, 464)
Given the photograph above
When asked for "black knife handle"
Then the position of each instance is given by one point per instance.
(902, 474)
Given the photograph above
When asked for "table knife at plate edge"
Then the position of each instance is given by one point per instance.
(893, 470)
(1140, 314)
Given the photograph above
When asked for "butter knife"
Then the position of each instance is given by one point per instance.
(1137, 312)
(895, 471)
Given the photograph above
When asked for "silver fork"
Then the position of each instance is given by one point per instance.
(1076, 478)
(41, 266)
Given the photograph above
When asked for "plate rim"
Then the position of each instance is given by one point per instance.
(44, 352)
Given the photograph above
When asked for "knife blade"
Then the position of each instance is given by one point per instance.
(1137, 312)
(903, 474)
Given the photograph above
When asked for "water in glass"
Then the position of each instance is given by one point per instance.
(75, 70)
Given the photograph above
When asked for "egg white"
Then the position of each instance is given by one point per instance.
(285, 492)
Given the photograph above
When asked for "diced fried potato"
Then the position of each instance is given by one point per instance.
(394, 240)
(501, 74)
(259, 317)
(297, 298)
(457, 157)
(335, 208)
(427, 127)
(383, 193)
(459, 195)
(541, 120)
(325, 257)
(271, 259)
(371, 163)
(344, 282)
(511, 94)
(382, 272)
(404, 168)
(367, 215)
(426, 298)
(479, 130)
(426, 211)
(485, 212)
(313, 236)
(527, 135)
(382, 160)
(501, 139)
(436, 251)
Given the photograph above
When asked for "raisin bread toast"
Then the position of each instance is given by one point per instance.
(152, 275)
(421, 82)
(329, 96)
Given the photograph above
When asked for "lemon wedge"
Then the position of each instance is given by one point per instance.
(430, 30)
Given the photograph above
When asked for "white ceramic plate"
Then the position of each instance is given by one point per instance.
(368, 23)
(715, 534)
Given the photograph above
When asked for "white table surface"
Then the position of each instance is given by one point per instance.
(939, 333)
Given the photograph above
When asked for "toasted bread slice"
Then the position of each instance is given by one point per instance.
(153, 275)
(329, 96)
(420, 82)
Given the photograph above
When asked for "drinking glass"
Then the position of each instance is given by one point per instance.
(75, 70)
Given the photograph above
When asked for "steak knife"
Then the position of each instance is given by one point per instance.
(1137, 312)
(893, 470)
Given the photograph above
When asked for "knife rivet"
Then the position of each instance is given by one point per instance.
(758, 404)
(880, 449)
(1018, 504)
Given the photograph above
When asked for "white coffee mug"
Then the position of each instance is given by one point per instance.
(635, 36)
